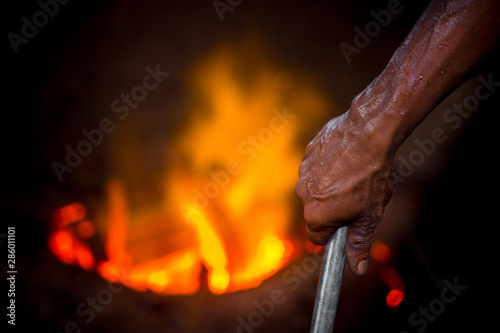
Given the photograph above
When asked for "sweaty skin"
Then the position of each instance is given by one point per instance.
(345, 176)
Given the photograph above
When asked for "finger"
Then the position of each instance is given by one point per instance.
(359, 241)
(320, 237)
(319, 231)
(300, 189)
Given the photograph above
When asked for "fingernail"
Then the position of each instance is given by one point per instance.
(362, 267)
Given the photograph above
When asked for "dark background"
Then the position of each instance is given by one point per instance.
(48, 80)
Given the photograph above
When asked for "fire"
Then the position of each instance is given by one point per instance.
(225, 213)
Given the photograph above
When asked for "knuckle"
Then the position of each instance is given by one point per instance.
(319, 227)
(316, 237)
(300, 189)
(360, 243)
(362, 234)
(312, 215)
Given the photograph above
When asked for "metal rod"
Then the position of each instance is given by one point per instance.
(330, 281)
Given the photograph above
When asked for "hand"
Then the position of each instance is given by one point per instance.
(344, 181)
(345, 177)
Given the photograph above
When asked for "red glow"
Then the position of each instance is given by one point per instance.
(85, 229)
(389, 275)
(61, 244)
(71, 213)
(391, 278)
(84, 256)
(70, 250)
(394, 298)
(380, 252)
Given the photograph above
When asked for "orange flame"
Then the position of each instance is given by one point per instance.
(225, 203)
(212, 250)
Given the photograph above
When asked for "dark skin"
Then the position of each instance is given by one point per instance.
(345, 175)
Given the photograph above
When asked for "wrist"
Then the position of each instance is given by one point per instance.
(376, 118)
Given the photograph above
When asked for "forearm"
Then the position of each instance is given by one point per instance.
(439, 53)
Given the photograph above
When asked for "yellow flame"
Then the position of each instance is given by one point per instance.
(212, 250)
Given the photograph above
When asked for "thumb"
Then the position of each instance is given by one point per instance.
(357, 249)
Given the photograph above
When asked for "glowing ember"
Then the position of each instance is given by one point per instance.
(67, 248)
(226, 206)
(389, 275)
(394, 298)
(380, 252)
